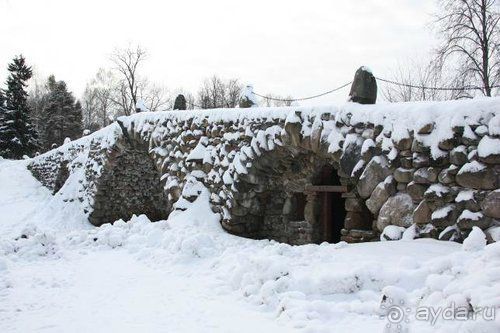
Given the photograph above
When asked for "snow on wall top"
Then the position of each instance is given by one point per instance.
(400, 117)
(410, 113)
(181, 141)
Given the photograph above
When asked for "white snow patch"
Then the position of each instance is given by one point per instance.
(437, 189)
(494, 125)
(488, 146)
(472, 167)
(392, 232)
(465, 195)
(475, 241)
(468, 215)
(441, 212)
(494, 233)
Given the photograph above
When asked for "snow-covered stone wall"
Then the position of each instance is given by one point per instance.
(410, 169)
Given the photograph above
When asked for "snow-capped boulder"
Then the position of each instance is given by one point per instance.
(403, 175)
(392, 232)
(458, 155)
(444, 216)
(488, 150)
(493, 233)
(468, 219)
(397, 210)
(447, 175)
(426, 175)
(380, 194)
(375, 172)
(477, 175)
(491, 204)
(422, 214)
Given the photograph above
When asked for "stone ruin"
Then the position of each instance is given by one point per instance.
(296, 175)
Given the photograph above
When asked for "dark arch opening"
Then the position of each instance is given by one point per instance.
(130, 184)
(274, 200)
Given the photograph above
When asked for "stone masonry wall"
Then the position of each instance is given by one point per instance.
(430, 169)
(129, 185)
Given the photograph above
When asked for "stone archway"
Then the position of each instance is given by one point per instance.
(278, 199)
(130, 184)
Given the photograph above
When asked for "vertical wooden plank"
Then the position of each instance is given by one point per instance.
(326, 216)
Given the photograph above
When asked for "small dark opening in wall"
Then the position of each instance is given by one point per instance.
(299, 204)
(332, 206)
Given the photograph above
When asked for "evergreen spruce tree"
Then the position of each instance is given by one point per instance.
(3, 111)
(76, 129)
(2, 99)
(61, 115)
(17, 135)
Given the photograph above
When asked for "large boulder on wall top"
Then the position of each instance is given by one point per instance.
(364, 87)
(180, 102)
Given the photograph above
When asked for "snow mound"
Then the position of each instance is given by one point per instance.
(475, 241)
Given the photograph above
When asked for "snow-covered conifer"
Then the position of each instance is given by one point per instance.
(17, 135)
(61, 115)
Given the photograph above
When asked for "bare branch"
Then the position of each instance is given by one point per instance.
(470, 35)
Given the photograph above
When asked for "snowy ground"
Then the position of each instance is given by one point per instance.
(59, 274)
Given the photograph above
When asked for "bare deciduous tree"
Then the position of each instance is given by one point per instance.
(190, 100)
(416, 82)
(233, 93)
(211, 93)
(127, 62)
(155, 97)
(215, 93)
(276, 100)
(116, 92)
(89, 105)
(99, 107)
(471, 40)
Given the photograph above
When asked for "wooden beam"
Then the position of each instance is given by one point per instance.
(326, 188)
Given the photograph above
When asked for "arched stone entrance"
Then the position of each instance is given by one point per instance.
(290, 195)
(130, 184)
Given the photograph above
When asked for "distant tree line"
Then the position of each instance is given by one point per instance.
(118, 91)
(38, 114)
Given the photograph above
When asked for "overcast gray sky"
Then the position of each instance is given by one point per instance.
(283, 47)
